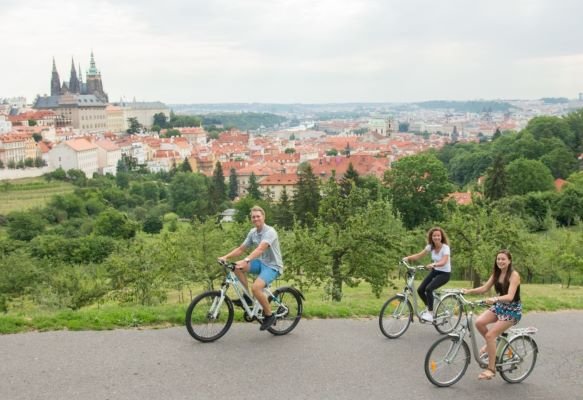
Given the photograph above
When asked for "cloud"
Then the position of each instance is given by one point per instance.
(298, 50)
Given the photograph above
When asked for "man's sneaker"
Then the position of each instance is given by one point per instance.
(239, 303)
(267, 322)
(427, 316)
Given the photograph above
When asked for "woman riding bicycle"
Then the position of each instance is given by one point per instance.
(506, 308)
(437, 246)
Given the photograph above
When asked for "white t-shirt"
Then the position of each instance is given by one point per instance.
(436, 256)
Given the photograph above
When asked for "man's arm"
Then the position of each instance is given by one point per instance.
(236, 252)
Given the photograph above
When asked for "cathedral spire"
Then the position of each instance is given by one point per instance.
(92, 69)
(74, 80)
(55, 81)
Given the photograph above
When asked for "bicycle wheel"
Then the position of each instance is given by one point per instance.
(287, 305)
(447, 361)
(517, 359)
(395, 316)
(208, 317)
(448, 314)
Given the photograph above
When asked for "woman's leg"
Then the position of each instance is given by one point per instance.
(495, 330)
(421, 289)
(440, 279)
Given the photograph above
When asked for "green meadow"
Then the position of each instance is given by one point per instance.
(24, 194)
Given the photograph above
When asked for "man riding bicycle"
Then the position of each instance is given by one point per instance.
(265, 261)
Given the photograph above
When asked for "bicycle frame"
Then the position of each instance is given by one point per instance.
(256, 311)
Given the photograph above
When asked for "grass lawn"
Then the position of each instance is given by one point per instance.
(357, 302)
(23, 194)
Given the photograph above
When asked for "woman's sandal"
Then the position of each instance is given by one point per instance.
(487, 374)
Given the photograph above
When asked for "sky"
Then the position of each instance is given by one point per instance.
(297, 51)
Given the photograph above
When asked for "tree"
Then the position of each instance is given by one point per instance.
(497, 134)
(189, 194)
(561, 161)
(153, 224)
(306, 200)
(185, 166)
(552, 127)
(526, 176)
(77, 177)
(478, 233)
(161, 120)
(233, 184)
(495, 182)
(134, 126)
(218, 188)
(32, 122)
(113, 223)
(138, 273)
(37, 137)
(349, 180)
(418, 185)
(575, 122)
(289, 150)
(349, 243)
(569, 207)
(253, 188)
(284, 215)
(24, 225)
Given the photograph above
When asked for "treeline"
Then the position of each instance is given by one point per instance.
(219, 121)
(467, 106)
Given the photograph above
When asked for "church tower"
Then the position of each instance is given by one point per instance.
(74, 80)
(93, 81)
(55, 81)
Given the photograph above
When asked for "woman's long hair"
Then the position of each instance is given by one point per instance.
(444, 239)
(496, 272)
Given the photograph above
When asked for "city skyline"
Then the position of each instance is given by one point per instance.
(298, 51)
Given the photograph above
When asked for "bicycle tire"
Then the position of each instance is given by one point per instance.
(520, 353)
(449, 353)
(395, 316)
(288, 308)
(448, 314)
(199, 323)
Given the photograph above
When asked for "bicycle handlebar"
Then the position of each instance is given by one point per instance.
(227, 265)
(412, 267)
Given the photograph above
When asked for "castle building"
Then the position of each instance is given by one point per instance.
(82, 103)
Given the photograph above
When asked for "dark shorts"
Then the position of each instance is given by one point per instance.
(508, 311)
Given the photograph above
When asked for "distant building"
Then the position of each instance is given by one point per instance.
(115, 119)
(143, 111)
(5, 125)
(381, 126)
(108, 155)
(75, 154)
(80, 103)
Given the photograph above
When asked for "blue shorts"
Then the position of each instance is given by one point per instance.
(267, 274)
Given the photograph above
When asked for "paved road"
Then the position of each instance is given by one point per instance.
(321, 359)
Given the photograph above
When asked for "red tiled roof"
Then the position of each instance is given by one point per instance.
(559, 183)
(80, 144)
(280, 179)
